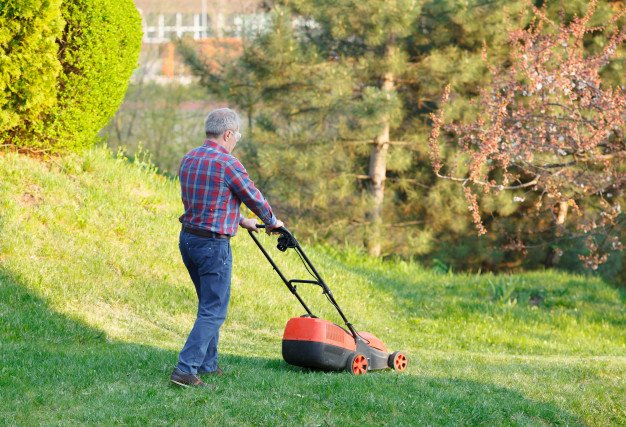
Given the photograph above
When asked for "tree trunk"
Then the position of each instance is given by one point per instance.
(563, 207)
(377, 174)
(554, 254)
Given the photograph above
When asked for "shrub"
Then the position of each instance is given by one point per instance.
(85, 76)
(29, 66)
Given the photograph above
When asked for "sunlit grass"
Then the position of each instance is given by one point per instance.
(95, 304)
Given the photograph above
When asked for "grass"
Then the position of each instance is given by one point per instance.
(95, 305)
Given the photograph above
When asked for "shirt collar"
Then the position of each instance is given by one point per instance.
(214, 145)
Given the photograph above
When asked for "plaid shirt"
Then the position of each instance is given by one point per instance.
(213, 184)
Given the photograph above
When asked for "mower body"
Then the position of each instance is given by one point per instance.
(316, 343)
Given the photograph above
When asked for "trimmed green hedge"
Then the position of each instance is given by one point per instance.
(29, 67)
(64, 69)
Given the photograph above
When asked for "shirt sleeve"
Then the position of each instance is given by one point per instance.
(242, 186)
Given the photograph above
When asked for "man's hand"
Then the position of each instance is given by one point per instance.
(249, 224)
(278, 224)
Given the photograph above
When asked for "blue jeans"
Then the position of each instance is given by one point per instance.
(209, 262)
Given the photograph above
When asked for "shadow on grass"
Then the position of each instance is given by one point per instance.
(56, 369)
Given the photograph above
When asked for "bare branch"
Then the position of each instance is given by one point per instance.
(468, 180)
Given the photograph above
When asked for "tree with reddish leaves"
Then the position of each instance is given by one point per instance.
(548, 129)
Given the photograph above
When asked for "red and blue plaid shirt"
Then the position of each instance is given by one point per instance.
(213, 184)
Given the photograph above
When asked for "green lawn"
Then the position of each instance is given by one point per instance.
(95, 304)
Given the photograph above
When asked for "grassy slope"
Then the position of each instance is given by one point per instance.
(95, 303)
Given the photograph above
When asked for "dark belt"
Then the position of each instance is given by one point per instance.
(205, 233)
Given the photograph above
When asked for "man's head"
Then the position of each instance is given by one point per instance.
(222, 126)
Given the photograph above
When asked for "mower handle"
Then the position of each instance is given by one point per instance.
(284, 232)
(279, 229)
(285, 241)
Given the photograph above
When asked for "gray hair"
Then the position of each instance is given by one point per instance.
(219, 121)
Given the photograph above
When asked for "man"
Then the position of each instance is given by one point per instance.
(213, 185)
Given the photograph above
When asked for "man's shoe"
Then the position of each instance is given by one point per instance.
(218, 372)
(184, 379)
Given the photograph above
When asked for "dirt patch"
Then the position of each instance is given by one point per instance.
(32, 197)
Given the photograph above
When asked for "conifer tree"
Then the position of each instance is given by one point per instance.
(370, 35)
(381, 42)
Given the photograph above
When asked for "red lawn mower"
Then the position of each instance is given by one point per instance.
(311, 342)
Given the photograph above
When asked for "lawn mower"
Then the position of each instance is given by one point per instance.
(311, 342)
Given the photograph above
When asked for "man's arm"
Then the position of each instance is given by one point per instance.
(242, 186)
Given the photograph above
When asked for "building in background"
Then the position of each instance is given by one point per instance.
(217, 26)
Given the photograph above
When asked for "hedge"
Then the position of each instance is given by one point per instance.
(65, 69)
(29, 67)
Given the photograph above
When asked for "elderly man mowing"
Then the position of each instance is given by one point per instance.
(213, 185)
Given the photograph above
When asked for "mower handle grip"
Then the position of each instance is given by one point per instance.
(279, 229)
(284, 233)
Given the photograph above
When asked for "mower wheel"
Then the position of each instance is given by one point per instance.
(357, 364)
(397, 361)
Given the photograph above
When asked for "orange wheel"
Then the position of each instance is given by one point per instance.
(357, 364)
(398, 361)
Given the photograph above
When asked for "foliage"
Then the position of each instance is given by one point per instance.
(28, 60)
(59, 95)
(547, 124)
(95, 306)
(318, 91)
(321, 102)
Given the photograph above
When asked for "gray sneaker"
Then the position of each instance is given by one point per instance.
(184, 379)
